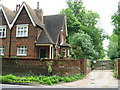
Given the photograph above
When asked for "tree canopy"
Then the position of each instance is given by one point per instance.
(84, 36)
(114, 45)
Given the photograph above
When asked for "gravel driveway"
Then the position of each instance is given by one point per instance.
(95, 79)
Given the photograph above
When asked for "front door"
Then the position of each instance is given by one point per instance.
(43, 53)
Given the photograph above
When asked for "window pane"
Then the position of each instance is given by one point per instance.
(1, 50)
(18, 32)
(25, 28)
(18, 28)
(22, 33)
(23, 51)
(0, 34)
(21, 28)
(3, 34)
(25, 33)
(18, 51)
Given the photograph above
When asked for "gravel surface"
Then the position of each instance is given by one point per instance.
(95, 79)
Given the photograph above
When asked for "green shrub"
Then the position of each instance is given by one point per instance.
(115, 74)
(49, 80)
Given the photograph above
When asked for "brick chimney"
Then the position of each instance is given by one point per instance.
(37, 5)
(17, 7)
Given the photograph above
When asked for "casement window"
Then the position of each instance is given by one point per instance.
(22, 30)
(2, 50)
(64, 52)
(22, 51)
(2, 31)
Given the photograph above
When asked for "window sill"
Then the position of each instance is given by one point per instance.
(21, 55)
(2, 55)
(2, 37)
(22, 37)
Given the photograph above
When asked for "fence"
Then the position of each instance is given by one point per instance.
(118, 66)
(61, 67)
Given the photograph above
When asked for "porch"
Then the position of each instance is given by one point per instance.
(45, 51)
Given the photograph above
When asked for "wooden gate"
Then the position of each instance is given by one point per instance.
(102, 65)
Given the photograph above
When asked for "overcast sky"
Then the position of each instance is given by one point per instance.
(105, 8)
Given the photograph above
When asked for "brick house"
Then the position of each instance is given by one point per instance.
(26, 33)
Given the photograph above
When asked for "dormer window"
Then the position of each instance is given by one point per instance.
(2, 31)
(22, 30)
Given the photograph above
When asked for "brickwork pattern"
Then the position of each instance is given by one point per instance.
(61, 67)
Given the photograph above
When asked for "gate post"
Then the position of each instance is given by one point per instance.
(118, 66)
(83, 66)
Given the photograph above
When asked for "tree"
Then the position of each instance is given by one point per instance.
(82, 46)
(80, 20)
(116, 23)
(113, 47)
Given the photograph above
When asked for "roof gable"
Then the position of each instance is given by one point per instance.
(54, 24)
(31, 13)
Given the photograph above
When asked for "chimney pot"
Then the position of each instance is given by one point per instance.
(37, 5)
(17, 7)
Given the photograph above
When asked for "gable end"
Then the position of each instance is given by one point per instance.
(28, 13)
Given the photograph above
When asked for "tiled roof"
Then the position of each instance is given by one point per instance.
(44, 38)
(34, 16)
(10, 14)
(54, 24)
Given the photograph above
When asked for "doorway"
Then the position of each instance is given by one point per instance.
(43, 53)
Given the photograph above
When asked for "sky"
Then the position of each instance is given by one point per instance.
(105, 8)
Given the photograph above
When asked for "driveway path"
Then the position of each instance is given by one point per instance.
(95, 79)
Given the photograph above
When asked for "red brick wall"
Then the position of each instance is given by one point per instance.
(61, 67)
(29, 41)
(5, 41)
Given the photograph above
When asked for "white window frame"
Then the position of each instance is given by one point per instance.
(3, 29)
(1, 50)
(21, 31)
(21, 50)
